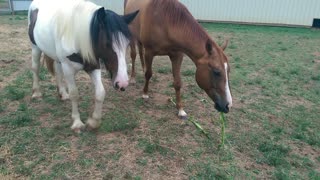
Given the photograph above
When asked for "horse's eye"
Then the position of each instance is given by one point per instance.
(216, 73)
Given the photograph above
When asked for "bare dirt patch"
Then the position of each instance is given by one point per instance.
(305, 150)
(15, 51)
(297, 101)
(316, 54)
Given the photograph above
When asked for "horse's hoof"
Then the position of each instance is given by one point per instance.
(93, 124)
(36, 95)
(182, 115)
(132, 81)
(77, 128)
(64, 97)
(184, 118)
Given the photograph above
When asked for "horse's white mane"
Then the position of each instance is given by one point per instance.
(73, 20)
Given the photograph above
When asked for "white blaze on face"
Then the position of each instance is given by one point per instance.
(120, 50)
(227, 90)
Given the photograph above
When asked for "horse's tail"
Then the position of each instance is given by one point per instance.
(125, 4)
(50, 64)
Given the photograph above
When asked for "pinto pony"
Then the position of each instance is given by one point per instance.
(75, 35)
(166, 27)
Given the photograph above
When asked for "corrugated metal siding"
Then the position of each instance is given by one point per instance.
(21, 5)
(291, 12)
(114, 5)
(287, 12)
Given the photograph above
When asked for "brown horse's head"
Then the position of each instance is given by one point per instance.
(213, 76)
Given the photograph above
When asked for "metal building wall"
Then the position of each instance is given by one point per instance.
(20, 5)
(114, 5)
(283, 12)
(288, 12)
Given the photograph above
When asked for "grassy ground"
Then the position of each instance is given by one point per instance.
(272, 131)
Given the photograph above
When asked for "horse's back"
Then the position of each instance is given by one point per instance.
(132, 6)
(60, 25)
(42, 31)
(150, 27)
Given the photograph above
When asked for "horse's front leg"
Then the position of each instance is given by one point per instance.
(60, 84)
(69, 75)
(176, 60)
(95, 121)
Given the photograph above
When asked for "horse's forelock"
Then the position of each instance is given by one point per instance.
(115, 27)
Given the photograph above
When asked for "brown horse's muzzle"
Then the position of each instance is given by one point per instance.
(220, 103)
(214, 88)
(222, 107)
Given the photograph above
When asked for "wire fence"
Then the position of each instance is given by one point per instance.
(5, 6)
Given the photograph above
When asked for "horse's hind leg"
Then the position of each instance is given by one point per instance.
(55, 70)
(148, 74)
(95, 121)
(141, 54)
(60, 84)
(176, 60)
(133, 55)
(36, 54)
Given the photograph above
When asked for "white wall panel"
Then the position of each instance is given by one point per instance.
(114, 5)
(21, 5)
(291, 12)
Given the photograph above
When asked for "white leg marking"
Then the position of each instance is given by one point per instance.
(69, 74)
(120, 49)
(77, 125)
(59, 79)
(145, 96)
(95, 121)
(227, 90)
(182, 113)
(36, 53)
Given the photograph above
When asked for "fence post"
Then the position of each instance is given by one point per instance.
(11, 7)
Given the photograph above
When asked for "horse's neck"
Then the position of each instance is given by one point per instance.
(192, 44)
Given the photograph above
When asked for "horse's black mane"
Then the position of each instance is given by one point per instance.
(113, 24)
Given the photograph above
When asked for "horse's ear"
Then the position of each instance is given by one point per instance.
(101, 14)
(129, 17)
(209, 47)
(225, 44)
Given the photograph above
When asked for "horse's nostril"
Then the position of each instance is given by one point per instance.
(122, 89)
(226, 108)
(117, 85)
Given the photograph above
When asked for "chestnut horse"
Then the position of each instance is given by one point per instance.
(166, 27)
(75, 34)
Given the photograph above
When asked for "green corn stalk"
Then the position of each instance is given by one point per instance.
(198, 126)
(222, 122)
